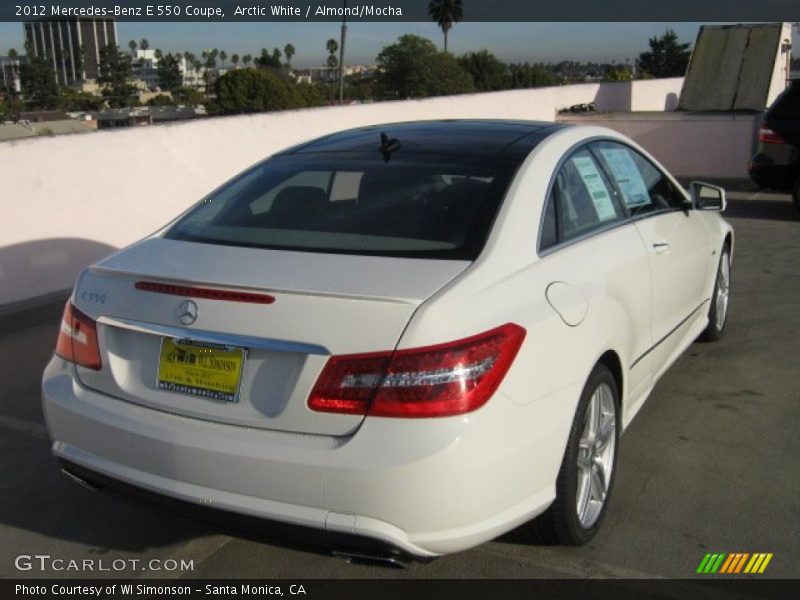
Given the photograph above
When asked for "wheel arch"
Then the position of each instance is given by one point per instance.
(610, 359)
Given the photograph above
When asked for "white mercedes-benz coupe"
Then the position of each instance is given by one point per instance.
(420, 335)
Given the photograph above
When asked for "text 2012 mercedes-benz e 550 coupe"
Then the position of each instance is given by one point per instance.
(422, 334)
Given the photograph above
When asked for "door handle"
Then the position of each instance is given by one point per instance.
(661, 247)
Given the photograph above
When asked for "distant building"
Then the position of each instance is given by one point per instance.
(326, 74)
(71, 45)
(144, 68)
(144, 115)
(9, 74)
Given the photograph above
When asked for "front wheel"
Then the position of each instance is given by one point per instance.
(586, 477)
(718, 311)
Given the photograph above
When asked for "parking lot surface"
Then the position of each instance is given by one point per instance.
(709, 465)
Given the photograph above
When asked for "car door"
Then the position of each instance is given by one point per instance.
(677, 241)
(591, 250)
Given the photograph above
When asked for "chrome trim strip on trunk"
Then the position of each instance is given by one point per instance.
(212, 337)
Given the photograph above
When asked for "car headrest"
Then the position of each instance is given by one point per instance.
(298, 200)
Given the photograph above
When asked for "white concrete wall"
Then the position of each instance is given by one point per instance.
(691, 146)
(656, 94)
(66, 201)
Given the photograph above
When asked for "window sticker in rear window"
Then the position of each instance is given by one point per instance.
(627, 175)
(596, 186)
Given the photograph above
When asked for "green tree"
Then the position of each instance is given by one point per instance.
(13, 54)
(269, 61)
(247, 59)
(446, 13)
(414, 68)
(76, 101)
(133, 46)
(666, 58)
(223, 56)
(488, 73)
(38, 80)
(169, 73)
(235, 60)
(289, 52)
(158, 54)
(618, 73)
(161, 100)
(144, 44)
(10, 107)
(332, 46)
(309, 94)
(527, 75)
(114, 76)
(188, 96)
(254, 90)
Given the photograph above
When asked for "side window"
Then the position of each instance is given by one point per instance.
(581, 200)
(643, 187)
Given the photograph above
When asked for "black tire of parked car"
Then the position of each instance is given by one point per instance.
(560, 525)
(715, 330)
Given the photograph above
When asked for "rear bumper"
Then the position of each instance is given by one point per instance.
(427, 486)
(766, 173)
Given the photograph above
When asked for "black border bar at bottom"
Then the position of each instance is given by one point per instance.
(433, 589)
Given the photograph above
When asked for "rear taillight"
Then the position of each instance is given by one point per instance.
(767, 136)
(435, 381)
(77, 339)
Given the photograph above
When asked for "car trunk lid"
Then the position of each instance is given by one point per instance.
(324, 304)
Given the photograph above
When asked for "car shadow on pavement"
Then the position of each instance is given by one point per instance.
(763, 208)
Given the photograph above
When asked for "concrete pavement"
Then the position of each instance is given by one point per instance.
(709, 465)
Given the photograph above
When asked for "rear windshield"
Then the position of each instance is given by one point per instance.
(422, 206)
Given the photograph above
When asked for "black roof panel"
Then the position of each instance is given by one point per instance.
(512, 139)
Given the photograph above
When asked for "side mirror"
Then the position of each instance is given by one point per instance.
(708, 197)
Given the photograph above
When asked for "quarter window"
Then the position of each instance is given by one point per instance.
(643, 187)
(581, 201)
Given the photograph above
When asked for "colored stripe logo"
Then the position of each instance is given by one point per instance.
(734, 563)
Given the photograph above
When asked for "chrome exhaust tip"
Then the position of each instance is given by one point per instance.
(379, 560)
(80, 481)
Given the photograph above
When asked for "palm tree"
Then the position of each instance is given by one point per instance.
(144, 44)
(189, 57)
(247, 59)
(446, 13)
(223, 56)
(158, 54)
(235, 60)
(289, 52)
(133, 45)
(332, 46)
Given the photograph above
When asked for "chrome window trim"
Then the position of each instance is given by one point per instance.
(627, 219)
(198, 335)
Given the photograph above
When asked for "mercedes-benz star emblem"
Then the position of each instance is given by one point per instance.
(187, 312)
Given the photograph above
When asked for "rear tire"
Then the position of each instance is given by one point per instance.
(586, 477)
(718, 311)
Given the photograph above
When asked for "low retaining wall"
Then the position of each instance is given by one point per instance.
(68, 200)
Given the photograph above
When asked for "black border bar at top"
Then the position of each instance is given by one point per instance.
(403, 10)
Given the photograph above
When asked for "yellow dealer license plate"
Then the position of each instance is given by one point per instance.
(205, 370)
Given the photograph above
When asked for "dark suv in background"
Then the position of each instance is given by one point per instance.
(776, 164)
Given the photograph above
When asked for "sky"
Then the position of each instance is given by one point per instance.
(511, 42)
